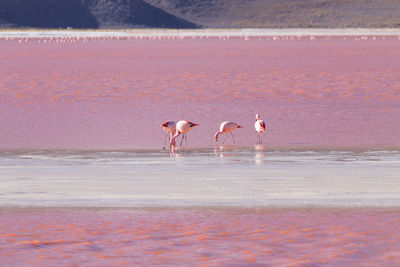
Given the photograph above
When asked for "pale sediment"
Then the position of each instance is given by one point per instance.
(37, 33)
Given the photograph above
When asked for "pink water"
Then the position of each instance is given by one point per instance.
(114, 94)
(200, 237)
(111, 94)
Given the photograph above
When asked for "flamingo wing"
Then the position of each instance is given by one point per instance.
(262, 124)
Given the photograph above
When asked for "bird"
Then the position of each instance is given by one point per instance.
(169, 127)
(227, 127)
(260, 128)
(182, 127)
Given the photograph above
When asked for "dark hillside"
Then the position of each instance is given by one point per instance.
(41, 14)
(133, 13)
(200, 13)
(286, 13)
(86, 14)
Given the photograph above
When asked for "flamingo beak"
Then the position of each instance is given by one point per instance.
(240, 126)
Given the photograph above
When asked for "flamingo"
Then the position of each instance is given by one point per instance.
(182, 127)
(169, 127)
(227, 127)
(260, 128)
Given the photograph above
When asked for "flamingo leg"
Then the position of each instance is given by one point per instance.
(165, 139)
(186, 140)
(261, 139)
(183, 135)
(233, 138)
(171, 140)
(226, 136)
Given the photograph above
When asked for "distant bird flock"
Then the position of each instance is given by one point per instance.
(173, 130)
(69, 37)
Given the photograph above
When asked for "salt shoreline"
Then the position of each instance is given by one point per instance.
(193, 33)
(232, 178)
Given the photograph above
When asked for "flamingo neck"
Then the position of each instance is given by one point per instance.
(216, 136)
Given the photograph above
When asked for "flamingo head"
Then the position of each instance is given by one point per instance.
(165, 125)
(192, 124)
(257, 117)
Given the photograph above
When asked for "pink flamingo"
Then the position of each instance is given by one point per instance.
(169, 127)
(182, 127)
(227, 127)
(260, 128)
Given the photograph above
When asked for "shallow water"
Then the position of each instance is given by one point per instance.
(327, 93)
(332, 144)
(217, 206)
(222, 176)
